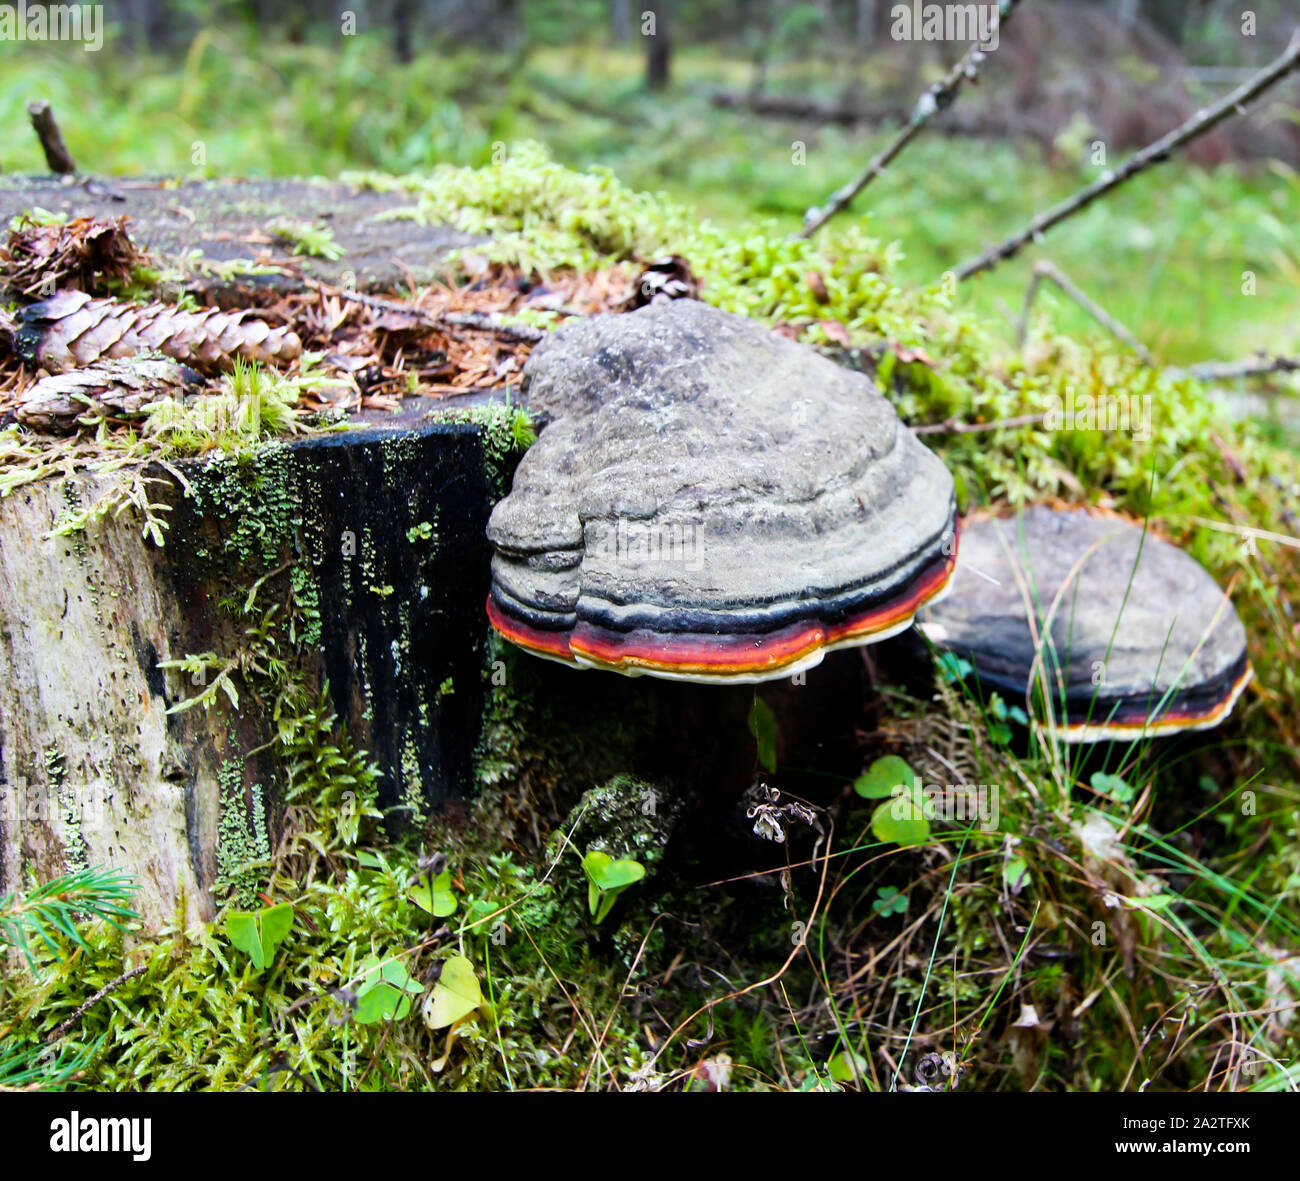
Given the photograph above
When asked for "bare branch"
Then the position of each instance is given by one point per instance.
(1044, 271)
(475, 321)
(57, 156)
(1257, 366)
(1204, 120)
(95, 999)
(937, 98)
(952, 427)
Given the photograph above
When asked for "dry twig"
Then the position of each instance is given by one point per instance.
(476, 321)
(938, 98)
(47, 130)
(952, 427)
(1256, 366)
(1044, 271)
(1233, 103)
(60, 1030)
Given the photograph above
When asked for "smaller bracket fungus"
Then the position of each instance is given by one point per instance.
(711, 502)
(1133, 636)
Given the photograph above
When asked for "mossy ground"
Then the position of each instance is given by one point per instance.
(1092, 940)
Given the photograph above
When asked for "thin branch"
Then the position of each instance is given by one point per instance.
(1248, 531)
(475, 321)
(1257, 366)
(952, 427)
(938, 98)
(93, 1000)
(1044, 271)
(57, 156)
(1204, 120)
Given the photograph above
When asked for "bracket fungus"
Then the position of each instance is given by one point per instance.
(708, 501)
(1133, 635)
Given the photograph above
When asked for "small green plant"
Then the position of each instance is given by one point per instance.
(129, 492)
(902, 819)
(1015, 873)
(1112, 787)
(848, 1067)
(385, 992)
(252, 406)
(258, 933)
(952, 668)
(889, 901)
(434, 895)
(452, 1003)
(762, 725)
(306, 238)
(456, 996)
(51, 913)
(51, 916)
(607, 879)
(879, 780)
(37, 216)
(999, 717)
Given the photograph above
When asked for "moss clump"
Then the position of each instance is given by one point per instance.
(243, 839)
(306, 238)
(626, 817)
(253, 496)
(506, 431)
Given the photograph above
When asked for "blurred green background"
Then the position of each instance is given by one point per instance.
(192, 89)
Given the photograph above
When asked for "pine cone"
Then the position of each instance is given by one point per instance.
(116, 387)
(71, 330)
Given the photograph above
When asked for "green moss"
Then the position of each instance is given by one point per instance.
(413, 781)
(255, 497)
(497, 757)
(306, 238)
(305, 594)
(243, 837)
(626, 818)
(506, 431)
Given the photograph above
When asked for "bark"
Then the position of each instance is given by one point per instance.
(382, 529)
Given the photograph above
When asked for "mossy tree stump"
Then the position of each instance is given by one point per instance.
(355, 560)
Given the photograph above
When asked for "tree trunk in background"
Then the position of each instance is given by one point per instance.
(622, 21)
(1128, 12)
(145, 25)
(827, 10)
(868, 12)
(512, 35)
(658, 50)
(1169, 16)
(402, 22)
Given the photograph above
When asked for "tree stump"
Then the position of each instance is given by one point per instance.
(370, 546)
(234, 221)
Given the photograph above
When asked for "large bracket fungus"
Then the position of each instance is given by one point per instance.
(711, 502)
(1130, 635)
